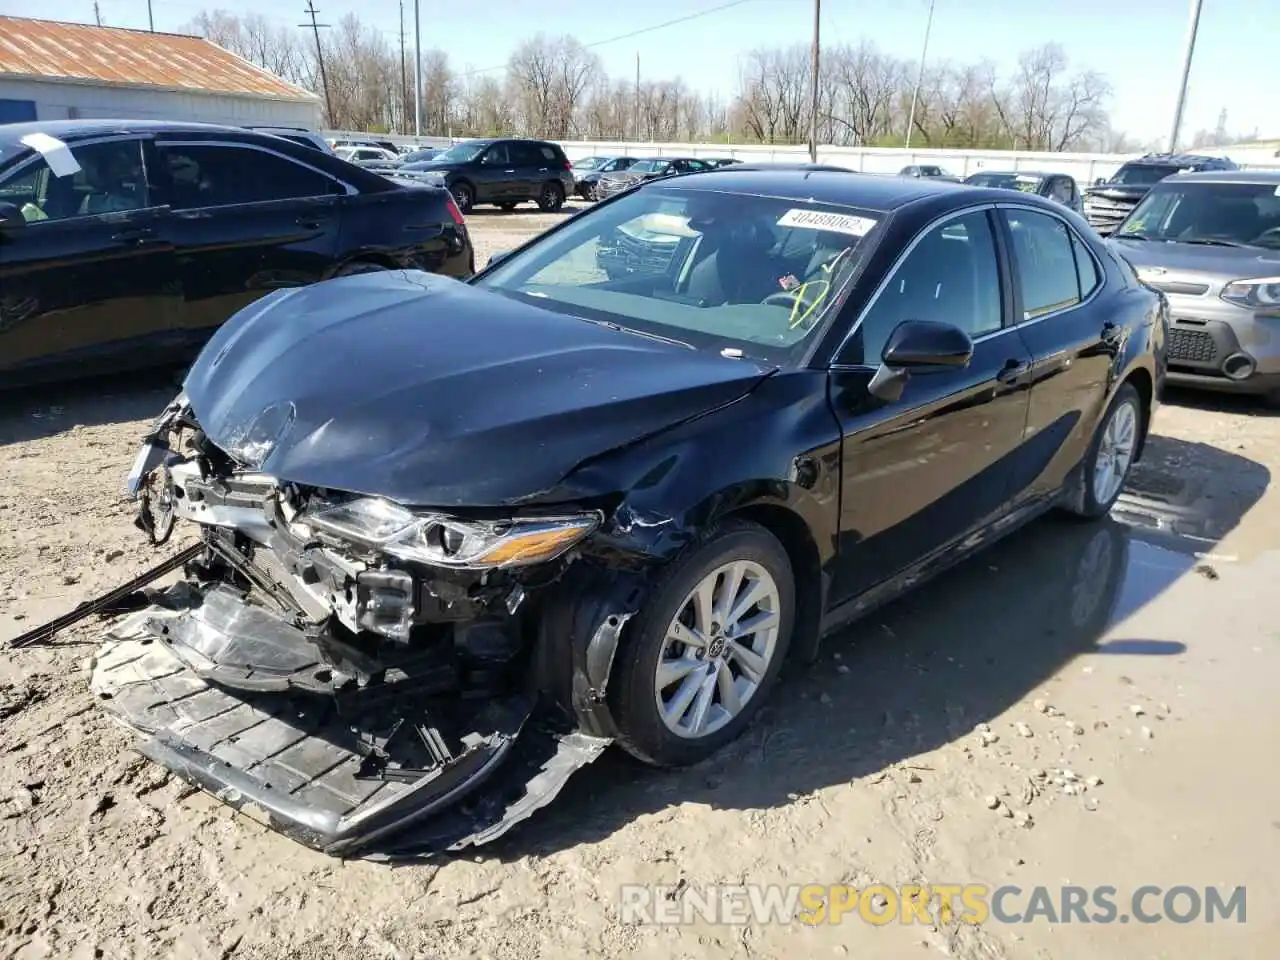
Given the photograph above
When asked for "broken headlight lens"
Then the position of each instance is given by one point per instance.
(449, 541)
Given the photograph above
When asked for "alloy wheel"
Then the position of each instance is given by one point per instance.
(718, 649)
(1115, 453)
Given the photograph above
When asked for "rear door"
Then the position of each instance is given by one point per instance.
(532, 169)
(91, 280)
(246, 221)
(1058, 281)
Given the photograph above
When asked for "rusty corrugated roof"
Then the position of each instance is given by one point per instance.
(50, 49)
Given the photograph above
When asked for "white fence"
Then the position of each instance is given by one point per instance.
(1085, 167)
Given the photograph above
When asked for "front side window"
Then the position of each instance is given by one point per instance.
(950, 276)
(496, 156)
(461, 153)
(110, 179)
(1046, 263)
(216, 175)
(716, 271)
(1222, 214)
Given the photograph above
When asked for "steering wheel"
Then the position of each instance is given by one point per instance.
(783, 298)
(803, 308)
(1270, 232)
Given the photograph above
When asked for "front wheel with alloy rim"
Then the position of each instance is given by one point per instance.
(463, 196)
(699, 660)
(1111, 455)
(551, 198)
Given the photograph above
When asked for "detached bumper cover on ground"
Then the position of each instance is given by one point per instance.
(344, 776)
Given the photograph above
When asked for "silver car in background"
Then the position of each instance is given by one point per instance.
(1211, 242)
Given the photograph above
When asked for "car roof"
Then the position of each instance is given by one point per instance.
(1259, 177)
(838, 188)
(1017, 173)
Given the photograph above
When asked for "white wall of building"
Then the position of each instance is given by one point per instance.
(77, 101)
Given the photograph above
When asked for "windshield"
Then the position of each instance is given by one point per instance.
(588, 163)
(715, 271)
(1143, 174)
(1025, 182)
(461, 153)
(1247, 214)
(417, 156)
(649, 166)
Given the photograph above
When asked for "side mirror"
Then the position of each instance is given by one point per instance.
(918, 346)
(11, 217)
(498, 258)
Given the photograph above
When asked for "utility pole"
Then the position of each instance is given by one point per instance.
(813, 82)
(404, 73)
(915, 94)
(637, 96)
(417, 70)
(151, 20)
(1186, 75)
(97, 14)
(324, 77)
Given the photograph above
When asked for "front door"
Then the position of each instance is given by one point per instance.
(495, 176)
(934, 466)
(1071, 345)
(246, 221)
(90, 281)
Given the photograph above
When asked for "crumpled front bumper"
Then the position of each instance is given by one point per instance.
(370, 773)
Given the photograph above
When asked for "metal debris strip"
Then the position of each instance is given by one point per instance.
(47, 631)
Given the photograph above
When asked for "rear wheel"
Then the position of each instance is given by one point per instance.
(1111, 455)
(551, 198)
(699, 661)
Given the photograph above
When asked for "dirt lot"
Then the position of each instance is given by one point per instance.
(1144, 658)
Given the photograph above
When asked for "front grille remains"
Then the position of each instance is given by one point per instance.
(1191, 346)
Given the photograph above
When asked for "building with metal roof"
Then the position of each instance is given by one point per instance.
(51, 70)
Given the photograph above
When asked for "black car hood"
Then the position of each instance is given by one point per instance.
(432, 392)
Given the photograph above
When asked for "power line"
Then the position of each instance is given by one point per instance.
(634, 33)
(324, 77)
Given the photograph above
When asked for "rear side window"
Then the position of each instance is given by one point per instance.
(208, 175)
(1046, 263)
(1086, 268)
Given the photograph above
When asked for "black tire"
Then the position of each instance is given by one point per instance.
(1082, 501)
(508, 206)
(589, 193)
(632, 690)
(464, 195)
(551, 197)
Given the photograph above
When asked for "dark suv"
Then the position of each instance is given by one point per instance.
(502, 172)
(1108, 202)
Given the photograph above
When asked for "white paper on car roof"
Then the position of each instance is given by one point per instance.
(822, 220)
(56, 153)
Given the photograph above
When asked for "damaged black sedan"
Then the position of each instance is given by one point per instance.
(456, 538)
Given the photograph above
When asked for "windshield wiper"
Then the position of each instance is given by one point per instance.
(639, 333)
(1131, 236)
(1208, 242)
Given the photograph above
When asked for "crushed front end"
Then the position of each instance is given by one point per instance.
(365, 678)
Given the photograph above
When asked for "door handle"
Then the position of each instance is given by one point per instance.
(310, 223)
(1013, 371)
(508, 171)
(136, 235)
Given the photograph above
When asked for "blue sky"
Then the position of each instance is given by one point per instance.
(1138, 44)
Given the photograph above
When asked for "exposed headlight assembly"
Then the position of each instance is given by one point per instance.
(449, 541)
(1262, 293)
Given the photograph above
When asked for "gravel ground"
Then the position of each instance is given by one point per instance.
(873, 766)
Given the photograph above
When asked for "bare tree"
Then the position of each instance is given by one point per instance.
(1042, 108)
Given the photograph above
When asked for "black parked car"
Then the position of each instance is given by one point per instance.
(1108, 202)
(542, 511)
(1055, 186)
(125, 244)
(648, 168)
(300, 135)
(503, 172)
(588, 171)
